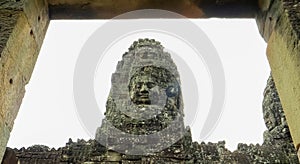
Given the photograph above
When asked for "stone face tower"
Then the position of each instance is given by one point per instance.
(144, 110)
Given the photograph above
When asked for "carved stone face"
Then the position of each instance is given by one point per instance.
(141, 89)
(270, 120)
(153, 86)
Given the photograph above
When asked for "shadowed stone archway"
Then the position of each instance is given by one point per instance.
(23, 24)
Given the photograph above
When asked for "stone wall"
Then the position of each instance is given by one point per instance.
(23, 25)
(38, 154)
(280, 27)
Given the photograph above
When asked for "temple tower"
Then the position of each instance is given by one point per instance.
(144, 110)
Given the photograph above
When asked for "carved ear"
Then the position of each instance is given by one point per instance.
(172, 91)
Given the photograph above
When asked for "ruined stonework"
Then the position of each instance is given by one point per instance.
(91, 152)
(144, 110)
(277, 128)
(280, 27)
(145, 99)
(40, 154)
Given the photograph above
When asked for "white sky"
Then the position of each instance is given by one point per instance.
(48, 115)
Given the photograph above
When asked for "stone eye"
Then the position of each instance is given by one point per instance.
(139, 85)
(172, 91)
(150, 85)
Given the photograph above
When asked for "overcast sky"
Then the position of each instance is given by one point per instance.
(48, 113)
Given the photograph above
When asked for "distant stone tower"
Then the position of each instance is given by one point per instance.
(144, 110)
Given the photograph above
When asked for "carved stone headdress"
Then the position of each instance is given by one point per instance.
(144, 53)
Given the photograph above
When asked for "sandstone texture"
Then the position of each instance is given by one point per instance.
(23, 25)
(280, 26)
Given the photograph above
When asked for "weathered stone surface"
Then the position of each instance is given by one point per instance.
(267, 153)
(8, 21)
(104, 9)
(17, 59)
(91, 152)
(280, 27)
(264, 5)
(267, 19)
(37, 15)
(229, 8)
(4, 134)
(9, 13)
(38, 154)
(277, 129)
(145, 100)
(9, 157)
(82, 151)
(20, 41)
(284, 57)
(11, 5)
(36, 12)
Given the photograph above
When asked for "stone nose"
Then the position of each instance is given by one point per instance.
(144, 88)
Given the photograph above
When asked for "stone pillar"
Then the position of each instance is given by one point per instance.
(23, 24)
(279, 24)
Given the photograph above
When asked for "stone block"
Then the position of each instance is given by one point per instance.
(38, 18)
(23, 26)
(283, 53)
(19, 57)
(8, 20)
